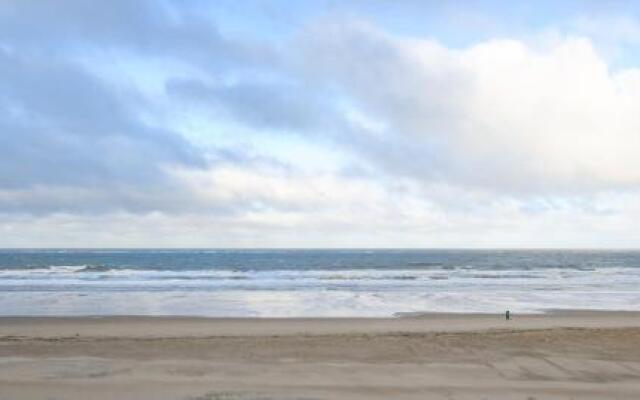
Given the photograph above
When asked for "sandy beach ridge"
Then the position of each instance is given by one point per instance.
(558, 355)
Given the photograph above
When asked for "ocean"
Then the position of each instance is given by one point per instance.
(314, 283)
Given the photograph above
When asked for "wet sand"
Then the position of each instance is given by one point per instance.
(563, 355)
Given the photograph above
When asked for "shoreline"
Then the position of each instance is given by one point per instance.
(194, 326)
(561, 355)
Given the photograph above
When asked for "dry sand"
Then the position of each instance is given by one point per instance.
(568, 355)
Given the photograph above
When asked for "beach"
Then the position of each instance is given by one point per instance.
(557, 355)
(319, 200)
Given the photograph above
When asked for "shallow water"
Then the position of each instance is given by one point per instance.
(282, 283)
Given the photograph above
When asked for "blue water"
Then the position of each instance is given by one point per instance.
(283, 283)
(320, 259)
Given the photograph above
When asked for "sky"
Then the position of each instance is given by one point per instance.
(429, 124)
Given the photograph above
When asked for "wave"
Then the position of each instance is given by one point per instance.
(410, 279)
(94, 268)
(506, 276)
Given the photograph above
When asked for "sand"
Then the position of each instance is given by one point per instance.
(562, 355)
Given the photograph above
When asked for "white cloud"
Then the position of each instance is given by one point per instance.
(503, 114)
(280, 197)
(348, 137)
(262, 206)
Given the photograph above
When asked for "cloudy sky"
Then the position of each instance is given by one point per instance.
(319, 124)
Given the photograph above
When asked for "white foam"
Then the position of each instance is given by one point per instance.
(76, 290)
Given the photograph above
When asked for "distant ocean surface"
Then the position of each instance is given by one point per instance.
(313, 283)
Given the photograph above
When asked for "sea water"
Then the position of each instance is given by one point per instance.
(314, 283)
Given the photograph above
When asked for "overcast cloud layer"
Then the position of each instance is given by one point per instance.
(196, 124)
